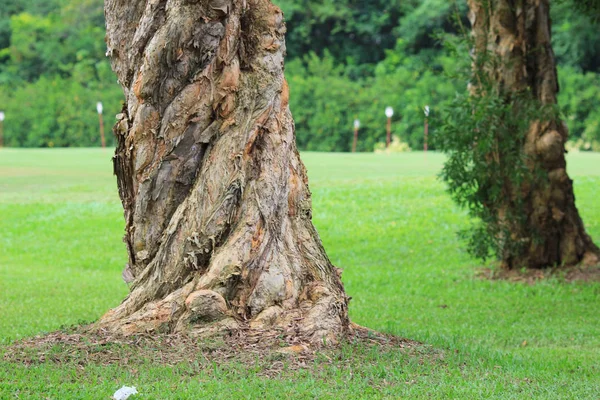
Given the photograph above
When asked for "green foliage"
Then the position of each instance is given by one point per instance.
(354, 32)
(428, 18)
(9, 8)
(483, 133)
(346, 59)
(587, 7)
(579, 98)
(327, 95)
(57, 113)
(575, 37)
(325, 102)
(53, 73)
(357, 33)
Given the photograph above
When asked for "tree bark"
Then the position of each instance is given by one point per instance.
(216, 198)
(518, 34)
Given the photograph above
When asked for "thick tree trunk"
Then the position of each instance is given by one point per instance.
(216, 199)
(517, 33)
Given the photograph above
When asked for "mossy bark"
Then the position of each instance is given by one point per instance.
(216, 198)
(517, 33)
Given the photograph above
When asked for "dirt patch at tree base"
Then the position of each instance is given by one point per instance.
(532, 276)
(269, 353)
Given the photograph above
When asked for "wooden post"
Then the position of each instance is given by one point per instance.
(426, 133)
(102, 139)
(1, 129)
(389, 113)
(389, 132)
(100, 108)
(426, 111)
(356, 127)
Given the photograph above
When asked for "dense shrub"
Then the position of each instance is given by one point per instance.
(58, 112)
(579, 98)
(325, 102)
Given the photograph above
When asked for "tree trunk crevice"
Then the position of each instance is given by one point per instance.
(216, 199)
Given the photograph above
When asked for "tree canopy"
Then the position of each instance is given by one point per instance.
(346, 59)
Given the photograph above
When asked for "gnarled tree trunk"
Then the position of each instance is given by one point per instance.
(518, 34)
(216, 199)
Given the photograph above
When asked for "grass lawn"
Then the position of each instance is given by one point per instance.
(384, 219)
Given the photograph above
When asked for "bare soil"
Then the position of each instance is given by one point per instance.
(531, 276)
(267, 352)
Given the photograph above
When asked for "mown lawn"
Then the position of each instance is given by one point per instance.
(385, 220)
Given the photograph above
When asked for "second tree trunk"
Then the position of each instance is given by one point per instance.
(518, 34)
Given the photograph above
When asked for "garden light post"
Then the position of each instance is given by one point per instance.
(426, 111)
(389, 113)
(356, 127)
(99, 108)
(1, 129)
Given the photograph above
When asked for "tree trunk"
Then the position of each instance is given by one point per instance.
(517, 33)
(216, 199)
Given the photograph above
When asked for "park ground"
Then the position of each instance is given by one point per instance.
(385, 219)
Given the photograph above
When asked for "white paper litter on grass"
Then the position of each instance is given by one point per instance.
(124, 393)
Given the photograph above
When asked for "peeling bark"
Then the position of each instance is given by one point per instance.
(216, 198)
(518, 33)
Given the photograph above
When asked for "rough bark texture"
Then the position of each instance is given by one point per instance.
(216, 199)
(517, 32)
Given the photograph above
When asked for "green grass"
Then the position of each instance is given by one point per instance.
(384, 219)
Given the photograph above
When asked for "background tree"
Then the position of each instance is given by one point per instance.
(216, 199)
(507, 142)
